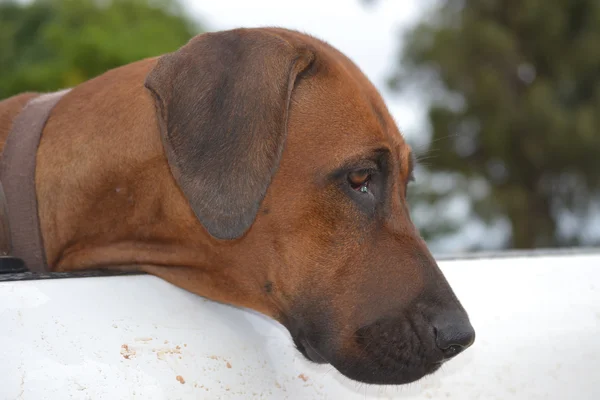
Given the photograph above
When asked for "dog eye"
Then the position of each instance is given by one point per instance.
(359, 180)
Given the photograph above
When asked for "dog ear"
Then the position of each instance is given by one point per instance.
(222, 103)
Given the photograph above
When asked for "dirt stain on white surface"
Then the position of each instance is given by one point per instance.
(127, 352)
(303, 377)
(162, 353)
(227, 362)
(143, 339)
(180, 379)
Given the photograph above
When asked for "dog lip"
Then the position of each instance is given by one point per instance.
(312, 353)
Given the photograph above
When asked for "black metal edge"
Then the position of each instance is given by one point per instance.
(29, 276)
(12, 265)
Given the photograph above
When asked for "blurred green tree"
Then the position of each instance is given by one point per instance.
(514, 94)
(47, 45)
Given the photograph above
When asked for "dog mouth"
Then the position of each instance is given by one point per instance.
(371, 362)
(354, 368)
(309, 351)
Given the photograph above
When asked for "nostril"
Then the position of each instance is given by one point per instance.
(452, 339)
(452, 350)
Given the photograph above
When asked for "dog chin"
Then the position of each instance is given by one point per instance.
(400, 376)
(309, 352)
(354, 369)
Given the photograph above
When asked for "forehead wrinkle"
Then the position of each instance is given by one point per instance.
(380, 116)
(405, 157)
(408, 161)
(363, 86)
(363, 114)
(366, 152)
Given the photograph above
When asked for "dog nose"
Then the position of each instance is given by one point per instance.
(453, 333)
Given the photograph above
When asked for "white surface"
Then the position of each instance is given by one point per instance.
(537, 322)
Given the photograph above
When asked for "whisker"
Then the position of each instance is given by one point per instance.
(449, 136)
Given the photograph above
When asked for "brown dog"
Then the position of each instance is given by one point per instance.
(258, 168)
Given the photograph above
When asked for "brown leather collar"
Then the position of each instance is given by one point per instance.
(20, 235)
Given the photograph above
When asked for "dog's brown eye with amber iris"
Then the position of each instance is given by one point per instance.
(359, 180)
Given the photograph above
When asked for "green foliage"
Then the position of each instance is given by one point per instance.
(52, 44)
(514, 87)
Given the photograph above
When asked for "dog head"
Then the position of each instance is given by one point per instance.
(293, 165)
